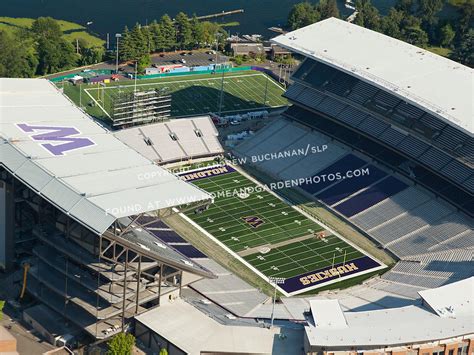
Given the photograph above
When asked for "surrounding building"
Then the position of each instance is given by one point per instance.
(442, 324)
(247, 49)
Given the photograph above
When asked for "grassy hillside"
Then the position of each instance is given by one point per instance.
(72, 31)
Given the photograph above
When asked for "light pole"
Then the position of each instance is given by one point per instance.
(117, 36)
(275, 281)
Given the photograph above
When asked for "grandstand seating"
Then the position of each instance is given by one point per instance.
(193, 138)
(390, 208)
(371, 196)
(347, 187)
(426, 127)
(373, 126)
(352, 116)
(263, 134)
(346, 163)
(392, 136)
(168, 237)
(276, 165)
(411, 221)
(407, 143)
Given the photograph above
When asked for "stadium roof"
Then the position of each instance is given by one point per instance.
(452, 300)
(372, 328)
(327, 313)
(195, 332)
(429, 81)
(80, 167)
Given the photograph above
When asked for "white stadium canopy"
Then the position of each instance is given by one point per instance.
(429, 81)
(62, 154)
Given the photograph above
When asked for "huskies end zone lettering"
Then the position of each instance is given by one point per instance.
(322, 276)
(207, 172)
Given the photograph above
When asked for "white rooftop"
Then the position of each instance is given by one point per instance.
(452, 300)
(399, 326)
(327, 313)
(194, 332)
(429, 81)
(62, 154)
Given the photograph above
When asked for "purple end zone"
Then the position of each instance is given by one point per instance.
(322, 276)
(206, 172)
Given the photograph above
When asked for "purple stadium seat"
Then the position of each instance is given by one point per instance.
(379, 192)
(347, 187)
(348, 162)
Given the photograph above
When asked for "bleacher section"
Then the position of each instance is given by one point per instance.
(408, 277)
(290, 139)
(175, 140)
(382, 115)
(391, 158)
(402, 217)
(166, 237)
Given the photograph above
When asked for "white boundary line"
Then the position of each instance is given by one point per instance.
(263, 276)
(183, 81)
(100, 106)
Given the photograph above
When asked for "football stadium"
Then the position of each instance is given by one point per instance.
(343, 226)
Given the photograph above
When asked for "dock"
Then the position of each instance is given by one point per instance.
(220, 14)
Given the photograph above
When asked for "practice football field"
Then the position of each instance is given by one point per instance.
(270, 235)
(190, 94)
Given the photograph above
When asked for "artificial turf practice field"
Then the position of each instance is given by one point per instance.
(190, 94)
(271, 236)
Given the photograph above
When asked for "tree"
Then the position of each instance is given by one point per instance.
(465, 9)
(391, 23)
(163, 351)
(157, 36)
(121, 344)
(126, 46)
(139, 42)
(143, 62)
(428, 11)
(416, 36)
(184, 35)
(18, 58)
(46, 27)
(327, 9)
(464, 53)
(197, 32)
(302, 14)
(55, 55)
(447, 35)
(168, 32)
(92, 55)
(368, 15)
(406, 6)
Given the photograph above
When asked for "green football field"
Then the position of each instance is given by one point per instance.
(266, 232)
(190, 94)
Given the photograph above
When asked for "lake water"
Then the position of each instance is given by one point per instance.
(110, 16)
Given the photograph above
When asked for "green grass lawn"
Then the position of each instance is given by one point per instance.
(283, 245)
(190, 94)
(71, 30)
(445, 52)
